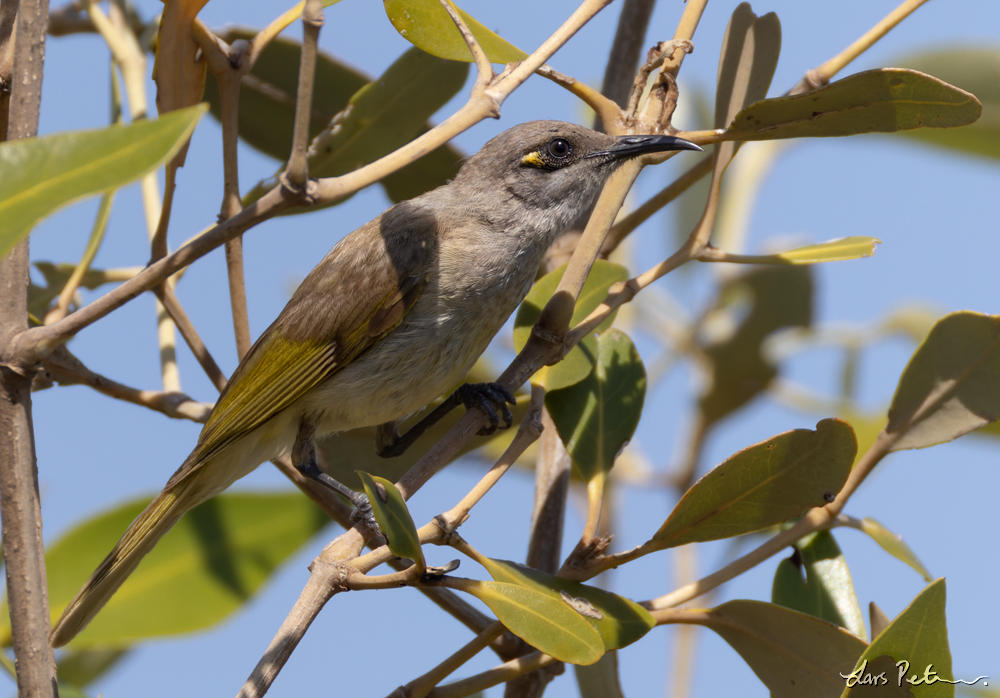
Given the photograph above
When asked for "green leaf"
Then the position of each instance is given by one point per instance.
(816, 581)
(763, 485)
(579, 362)
(38, 175)
(831, 251)
(976, 70)
(393, 518)
(894, 545)
(600, 679)
(875, 101)
(381, 117)
(427, 25)
(597, 416)
(919, 637)
(793, 654)
(203, 570)
(779, 297)
(550, 625)
(951, 384)
(749, 58)
(82, 667)
(619, 621)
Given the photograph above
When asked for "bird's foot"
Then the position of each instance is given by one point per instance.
(489, 397)
(364, 514)
(362, 507)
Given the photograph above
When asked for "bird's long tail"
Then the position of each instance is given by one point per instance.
(140, 537)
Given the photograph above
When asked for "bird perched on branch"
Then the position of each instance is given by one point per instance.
(395, 315)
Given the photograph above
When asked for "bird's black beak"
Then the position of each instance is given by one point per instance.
(630, 146)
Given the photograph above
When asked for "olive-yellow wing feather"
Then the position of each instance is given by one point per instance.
(359, 293)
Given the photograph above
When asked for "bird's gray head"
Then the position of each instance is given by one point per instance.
(553, 166)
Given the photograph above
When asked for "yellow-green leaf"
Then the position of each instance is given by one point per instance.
(978, 71)
(918, 637)
(875, 101)
(894, 545)
(427, 25)
(393, 518)
(831, 251)
(39, 175)
(764, 485)
(597, 416)
(815, 580)
(203, 570)
(951, 384)
(550, 625)
(620, 621)
(579, 362)
(793, 654)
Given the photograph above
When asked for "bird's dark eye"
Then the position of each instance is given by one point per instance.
(560, 148)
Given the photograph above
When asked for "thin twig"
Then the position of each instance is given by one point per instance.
(527, 433)
(686, 28)
(493, 677)
(607, 111)
(297, 172)
(817, 77)
(64, 368)
(483, 65)
(173, 306)
(633, 220)
(228, 71)
(422, 685)
(327, 578)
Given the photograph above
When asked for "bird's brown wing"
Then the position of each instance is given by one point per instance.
(359, 293)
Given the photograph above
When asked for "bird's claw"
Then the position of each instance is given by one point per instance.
(489, 397)
(364, 513)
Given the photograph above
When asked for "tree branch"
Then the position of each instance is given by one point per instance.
(20, 511)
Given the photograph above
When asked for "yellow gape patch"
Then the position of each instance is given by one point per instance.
(534, 159)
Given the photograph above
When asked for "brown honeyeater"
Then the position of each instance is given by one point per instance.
(394, 316)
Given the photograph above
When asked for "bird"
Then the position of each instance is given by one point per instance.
(393, 317)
